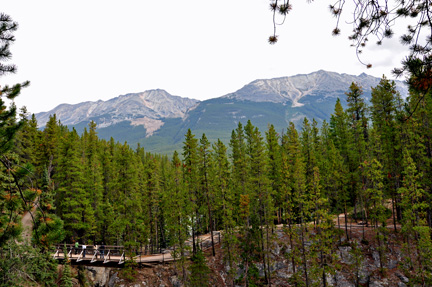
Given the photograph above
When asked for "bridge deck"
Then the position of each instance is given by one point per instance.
(154, 258)
(116, 254)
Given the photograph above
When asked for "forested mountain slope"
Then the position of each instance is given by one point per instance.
(269, 193)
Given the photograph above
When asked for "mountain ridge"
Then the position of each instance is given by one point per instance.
(293, 88)
(159, 121)
(130, 106)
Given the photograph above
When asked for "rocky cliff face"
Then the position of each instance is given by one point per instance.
(361, 271)
(293, 89)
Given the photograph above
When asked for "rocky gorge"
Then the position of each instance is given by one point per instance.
(352, 268)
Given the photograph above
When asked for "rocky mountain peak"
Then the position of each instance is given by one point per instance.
(147, 108)
(293, 89)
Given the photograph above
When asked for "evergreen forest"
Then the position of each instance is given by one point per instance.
(370, 163)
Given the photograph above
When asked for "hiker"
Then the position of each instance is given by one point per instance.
(84, 249)
(76, 247)
(102, 250)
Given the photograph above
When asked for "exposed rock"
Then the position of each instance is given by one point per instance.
(175, 281)
(377, 284)
(98, 276)
(339, 280)
(113, 280)
(402, 277)
(138, 108)
(293, 89)
(375, 256)
(391, 264)
(280, 265)
(260, 267)
(364, 274)
(151, 125)
(276, 249)
(240, 273)
(345, 255)
(285, 274)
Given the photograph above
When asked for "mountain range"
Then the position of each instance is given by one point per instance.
(159, 121)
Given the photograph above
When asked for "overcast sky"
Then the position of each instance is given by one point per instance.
(75, 51)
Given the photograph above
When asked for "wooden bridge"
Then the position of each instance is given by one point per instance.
(116, 256)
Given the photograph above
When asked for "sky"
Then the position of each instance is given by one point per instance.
(76, 51)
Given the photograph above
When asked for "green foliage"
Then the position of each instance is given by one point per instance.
(66, 278)
(128, 272)
(202, 119)
(74, 202)
(23, 265)
(199, 271)
(48, 230)
(8, 124)
(82, 276)
(10, 206)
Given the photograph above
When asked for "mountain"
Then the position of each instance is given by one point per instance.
(298, 88)
(147, 109)
(159, 121)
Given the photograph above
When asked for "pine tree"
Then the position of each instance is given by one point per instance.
(308, 151)
(66, 278)
(333, 176)
(176, 201)
(274, 170)
(383, 112)
(415, 229)
(93, 174)
(357, 141)
(108, 183)
(9, 126)
(239, 165)
(199, 270)
(205, 165)
(27, 139)
(376, 210)
(225, 204)
(49, 146)
(357, 110)
(260, 191)
(304, 209)
(324, 241)
(339, 130)
(11, 205)
(190, 173)
(127, 199)
(417, 138)
(152, 197)
(48, 228)
(294, 182)
(24, 265)
(74, 205)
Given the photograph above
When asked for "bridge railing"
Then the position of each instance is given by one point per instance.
(92, 252)
(112, 253)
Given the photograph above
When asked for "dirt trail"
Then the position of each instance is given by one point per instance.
(27, 223)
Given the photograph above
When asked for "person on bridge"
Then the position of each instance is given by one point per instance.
(84, 249)
(76, 247)
(102, 250)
